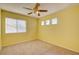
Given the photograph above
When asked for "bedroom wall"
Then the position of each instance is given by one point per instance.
(10, 39)
(66, 32)
(0, 30)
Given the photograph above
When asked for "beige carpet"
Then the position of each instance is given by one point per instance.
(36, 47)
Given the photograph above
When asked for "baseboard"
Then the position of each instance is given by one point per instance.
(60, 47)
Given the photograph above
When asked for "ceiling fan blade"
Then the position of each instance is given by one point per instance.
(29, 13)
(43, 10)
(27, 8)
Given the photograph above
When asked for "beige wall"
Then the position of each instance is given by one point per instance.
(0, 29)
(66, 32)
(10, 39)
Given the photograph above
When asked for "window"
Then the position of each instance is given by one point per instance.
(15, 25)
(54, 21)
(50, 21)
(47, 22)
(21, 26)
(42, 22)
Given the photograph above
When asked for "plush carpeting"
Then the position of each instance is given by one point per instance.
(36, 47)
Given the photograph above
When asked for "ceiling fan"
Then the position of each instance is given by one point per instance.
(35, 9)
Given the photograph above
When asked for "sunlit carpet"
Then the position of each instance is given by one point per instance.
(35, 47)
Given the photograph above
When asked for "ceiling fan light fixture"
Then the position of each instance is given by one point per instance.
(37, 12)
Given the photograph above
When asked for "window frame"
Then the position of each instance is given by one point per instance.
(56, 22)
(15, 25)
(47, 22)
(43, 23)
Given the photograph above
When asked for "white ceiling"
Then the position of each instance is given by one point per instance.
(18, 7)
